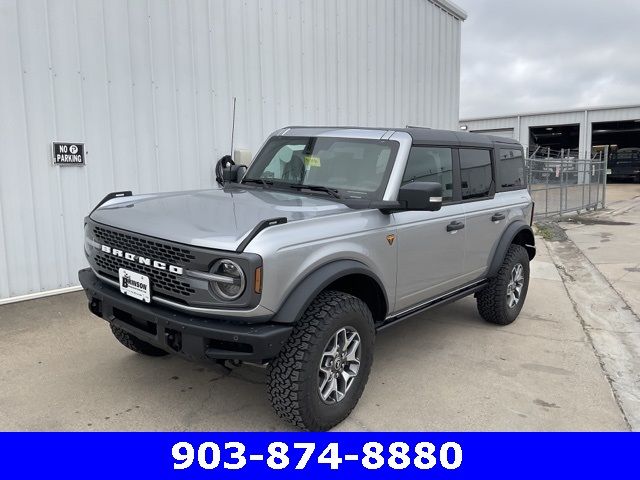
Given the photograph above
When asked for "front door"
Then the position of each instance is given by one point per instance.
(431, 245)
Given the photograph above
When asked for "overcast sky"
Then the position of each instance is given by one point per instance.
(527, 56)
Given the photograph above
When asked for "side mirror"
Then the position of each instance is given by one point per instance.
(226, 170)
(420, 196)
(234, 173)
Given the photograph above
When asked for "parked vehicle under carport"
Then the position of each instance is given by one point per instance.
(625, 164)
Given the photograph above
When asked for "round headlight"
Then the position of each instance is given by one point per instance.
(233, 281)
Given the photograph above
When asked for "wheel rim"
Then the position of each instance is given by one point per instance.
(339, 365)
(515, 285)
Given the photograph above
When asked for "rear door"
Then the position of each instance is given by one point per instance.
(485, 215)
(431, 245)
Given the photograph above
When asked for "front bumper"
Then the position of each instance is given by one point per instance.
(194, 338)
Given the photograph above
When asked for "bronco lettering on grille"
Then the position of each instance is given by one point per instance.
(141, 260)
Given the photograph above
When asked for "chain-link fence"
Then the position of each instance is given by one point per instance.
(565, 184)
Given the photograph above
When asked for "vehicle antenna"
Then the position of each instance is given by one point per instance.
(233, 126)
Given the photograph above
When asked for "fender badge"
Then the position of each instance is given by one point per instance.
(391, 238)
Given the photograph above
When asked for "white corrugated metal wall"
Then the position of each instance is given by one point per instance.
(583, 117)
(148, 86)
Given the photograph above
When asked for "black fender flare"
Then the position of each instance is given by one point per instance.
(515, 229)
(313, 284)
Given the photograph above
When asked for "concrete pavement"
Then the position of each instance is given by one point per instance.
(444, 370)
(611, 240)
(599, 260)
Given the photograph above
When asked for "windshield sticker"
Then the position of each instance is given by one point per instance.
(310, 161)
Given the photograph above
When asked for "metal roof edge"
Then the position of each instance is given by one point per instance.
(549, 112)
(451, 7)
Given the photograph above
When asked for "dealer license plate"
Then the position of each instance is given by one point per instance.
(135, 285)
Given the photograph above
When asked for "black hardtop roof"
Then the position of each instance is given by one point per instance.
(431, 136)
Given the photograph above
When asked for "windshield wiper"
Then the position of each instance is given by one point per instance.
(315, 188)
(261, 181)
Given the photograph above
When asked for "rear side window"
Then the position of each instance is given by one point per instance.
(475, 173)
(431, 164)
(510, 169)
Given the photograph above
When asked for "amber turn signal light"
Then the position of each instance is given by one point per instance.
(258, 281)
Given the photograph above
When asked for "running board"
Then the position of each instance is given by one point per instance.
(442, 300)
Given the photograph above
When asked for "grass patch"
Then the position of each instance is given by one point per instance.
(545, 231)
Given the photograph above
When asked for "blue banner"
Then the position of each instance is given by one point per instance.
(308, 455)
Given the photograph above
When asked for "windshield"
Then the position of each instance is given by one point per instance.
(627, 154)
(352, 168)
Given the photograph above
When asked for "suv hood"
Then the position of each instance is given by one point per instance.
(218, 218)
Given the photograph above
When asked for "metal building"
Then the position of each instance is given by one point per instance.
(581, 130)
(147, 88)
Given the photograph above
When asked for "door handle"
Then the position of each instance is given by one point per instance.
(497, 217)
(454, 226)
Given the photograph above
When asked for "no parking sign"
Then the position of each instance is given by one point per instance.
(66, 154)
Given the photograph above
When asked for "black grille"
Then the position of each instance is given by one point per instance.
(144, 247)
(161, 280)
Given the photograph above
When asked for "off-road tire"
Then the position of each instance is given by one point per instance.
(293, 374)
(492, 300)
(135, 344)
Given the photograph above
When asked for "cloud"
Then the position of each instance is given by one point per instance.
(522, 56)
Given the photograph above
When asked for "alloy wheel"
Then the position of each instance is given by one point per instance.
(514, 287)
(339, 365)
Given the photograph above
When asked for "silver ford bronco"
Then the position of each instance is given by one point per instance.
(330, 235)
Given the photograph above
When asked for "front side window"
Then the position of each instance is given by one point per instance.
(431, 164)
(510, 168)
(475, 173)
(356, 168)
